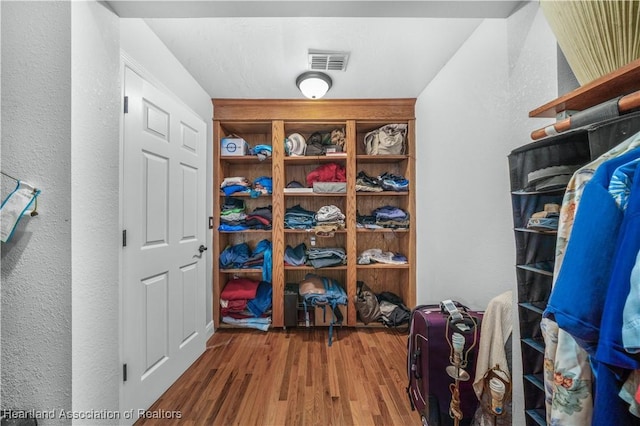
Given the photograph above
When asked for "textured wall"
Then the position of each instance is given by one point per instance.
(95, 157)
(36, 264)
(466, 248)
(469, 119)
(567, 80)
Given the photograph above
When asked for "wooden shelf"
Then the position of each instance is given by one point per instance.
(381, 158)
(315, 194)
(310, 231)
(383, 266)
(315, 159)
(382, 193)
(242, 271)
(244, 195)
(247, 231)
(383, 230)
(244, 159)
(375, 110)
(317, 270)
(621, 82)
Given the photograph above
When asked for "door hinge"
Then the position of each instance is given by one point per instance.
(124, 238)
(124, 372)
(126, 104)
(210, 222)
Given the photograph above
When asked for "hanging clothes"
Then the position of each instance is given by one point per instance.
(614, 362)
(568, 376)
(587, 265)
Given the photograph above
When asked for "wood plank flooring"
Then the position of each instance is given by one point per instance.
(292, 377)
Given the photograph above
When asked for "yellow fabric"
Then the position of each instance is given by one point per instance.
(597, 37)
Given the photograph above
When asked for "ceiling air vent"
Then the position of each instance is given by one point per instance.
(328, 61)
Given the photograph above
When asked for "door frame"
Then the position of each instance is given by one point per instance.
(126, 61)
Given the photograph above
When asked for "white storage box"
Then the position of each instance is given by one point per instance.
(233, 146)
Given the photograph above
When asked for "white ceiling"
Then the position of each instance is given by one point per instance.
(256, 49)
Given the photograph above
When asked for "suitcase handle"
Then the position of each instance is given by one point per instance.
(458, 305)
(415, 357)
(465, 325)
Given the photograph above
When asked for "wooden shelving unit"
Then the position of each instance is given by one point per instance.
(269, 122)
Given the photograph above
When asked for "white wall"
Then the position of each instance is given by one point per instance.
(144, 49)
(95, 245)
(462, 117)
(468, 120)
(36, 263)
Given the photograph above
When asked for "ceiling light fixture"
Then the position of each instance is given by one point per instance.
(313, 84)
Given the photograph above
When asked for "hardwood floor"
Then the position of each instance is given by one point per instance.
(292, 377)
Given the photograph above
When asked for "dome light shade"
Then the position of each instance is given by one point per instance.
(313, 84)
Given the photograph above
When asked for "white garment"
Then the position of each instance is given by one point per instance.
(497, 325)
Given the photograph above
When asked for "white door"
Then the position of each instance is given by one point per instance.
(164, 218)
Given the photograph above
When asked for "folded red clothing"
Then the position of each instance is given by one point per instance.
(233, 305)
(240, 288)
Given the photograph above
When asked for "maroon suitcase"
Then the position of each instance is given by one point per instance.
(429, 354)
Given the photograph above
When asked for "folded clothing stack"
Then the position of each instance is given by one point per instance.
(298, 217)
(326, 257)
(366, 183)
(545, 220)
(234, 184)
(240, 256)
(550, 178)
(328, 219)
(244, 297)
(231, 185)
(385, 182)
(377, 255)
(329, 172)
(262, 151)
(391, 217)
(296, 256)
(391, 182)
(233, 216)
(247, 303)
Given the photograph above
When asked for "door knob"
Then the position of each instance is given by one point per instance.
(201, 248)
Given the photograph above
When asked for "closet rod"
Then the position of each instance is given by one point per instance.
(625, 104)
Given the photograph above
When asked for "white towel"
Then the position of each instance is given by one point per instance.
(497, 325)
(14, 206)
